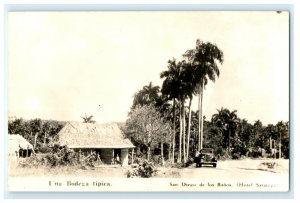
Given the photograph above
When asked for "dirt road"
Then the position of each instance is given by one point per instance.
(242, 173)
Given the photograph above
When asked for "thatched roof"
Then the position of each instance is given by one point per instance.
(92, 135)
(17, 142)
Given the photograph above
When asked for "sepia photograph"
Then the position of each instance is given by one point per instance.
(148, 101)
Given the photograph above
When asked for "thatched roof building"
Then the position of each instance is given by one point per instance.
(91, 135)
(19, 146)
(105, 139)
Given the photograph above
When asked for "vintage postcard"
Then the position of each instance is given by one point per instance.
(141, 101)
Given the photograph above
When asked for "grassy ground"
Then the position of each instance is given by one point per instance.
(271, 165)
(69, 171)
(111, 172)
(275, 166)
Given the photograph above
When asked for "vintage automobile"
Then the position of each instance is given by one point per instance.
(206, 157)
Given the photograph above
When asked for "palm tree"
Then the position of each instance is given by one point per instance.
(179, 85)
(189, 91)
(88, 119)
(165, 110)
(204, 61)
(258, 133)
(172, 88)
(228, 122)
(149, 94)
(282, 128)
(245, 132)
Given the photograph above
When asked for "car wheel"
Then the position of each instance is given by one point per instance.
(214, 165)
(200, 165)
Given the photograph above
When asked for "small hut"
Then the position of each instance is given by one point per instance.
(106, 140)
(19, 146)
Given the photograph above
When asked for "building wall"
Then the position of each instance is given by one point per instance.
(106, 155)
(124, 157)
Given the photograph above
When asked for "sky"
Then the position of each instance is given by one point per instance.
(63, 65)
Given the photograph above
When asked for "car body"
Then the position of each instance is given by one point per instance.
(206, 157)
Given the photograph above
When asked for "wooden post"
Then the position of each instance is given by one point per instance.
(113, 156)
(132, 152)
(35, 137)
(275, 150)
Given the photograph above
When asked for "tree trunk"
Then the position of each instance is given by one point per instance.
(200, 129)
(228, 147)
(174, 133)
(279, 156)
(162, 153)
(169, 153)
(183, 132)
(45, 137)
(180, 136)
(148, 152)
(35, 137)
(189, 129)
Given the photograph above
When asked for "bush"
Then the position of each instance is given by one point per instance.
(60, 156)
(236, 156)
(145, 169)
(33, 161)
(45, 149)
(255, 152)
(269, 165)
(189, 162)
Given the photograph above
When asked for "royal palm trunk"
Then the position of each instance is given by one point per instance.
(200, 127)
(189, 130)
(180, 136)
(183, 132)
(174, 133)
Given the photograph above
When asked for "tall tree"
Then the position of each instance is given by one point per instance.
(258, 135)
(188, 80)
(17, 127)
(228, 122)
(204, 60)
(35, 126)
(245, 132)
(282, 129)
(149, 94)
(171, 89)
(146, 126)
(177, 86)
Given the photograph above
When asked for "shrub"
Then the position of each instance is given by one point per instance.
(45, 149)
(236, 156)
(33, 161)
(269, 165)
(178, 165)
(145, 169)
(189, 162)
(62, 156)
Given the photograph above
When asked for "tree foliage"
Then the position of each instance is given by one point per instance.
(43, 130)
(147, 127)
(88, 119)
(228, 122)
